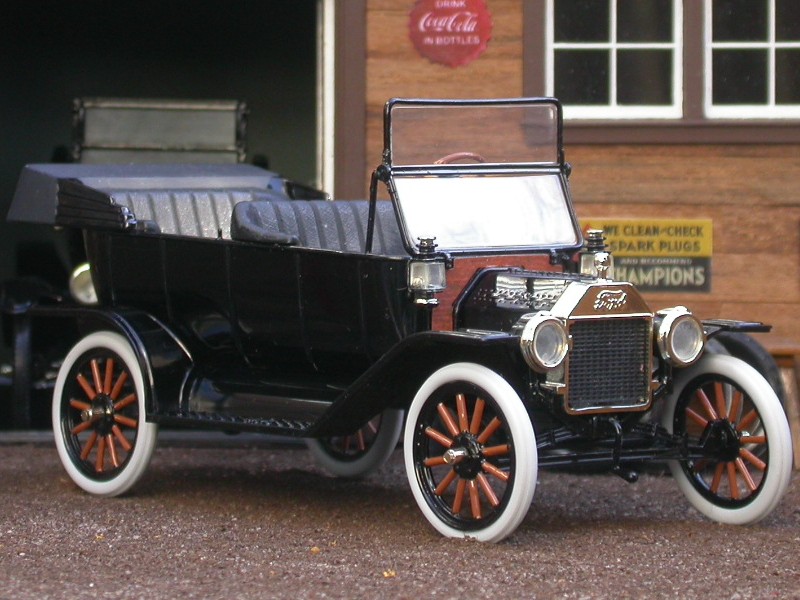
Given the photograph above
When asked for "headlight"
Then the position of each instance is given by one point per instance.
(544, 342)
(680, 336)
(426, 276)
(80, 285)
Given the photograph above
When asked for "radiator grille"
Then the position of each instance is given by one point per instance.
(609, 364)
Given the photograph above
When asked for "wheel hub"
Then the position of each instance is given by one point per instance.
(101, 413)
(722, 440)
(465, 455)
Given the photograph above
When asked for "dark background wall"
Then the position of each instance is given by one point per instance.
(51, 51)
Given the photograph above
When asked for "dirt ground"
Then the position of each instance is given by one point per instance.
(259, 520)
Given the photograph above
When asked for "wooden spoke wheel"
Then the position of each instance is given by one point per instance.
(361, 452)
(470, 453)
(725, 404)
(101, 434)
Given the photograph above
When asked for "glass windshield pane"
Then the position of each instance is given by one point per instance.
(424, 134)
(487, 211)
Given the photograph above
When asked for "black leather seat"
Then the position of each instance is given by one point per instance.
(340, 226)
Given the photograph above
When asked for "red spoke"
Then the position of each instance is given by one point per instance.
(99, 464)
(474, 499)
(87, 448)
(696, 417)
(123, 441)
(445, 483)
(747, 420)
(86, 386)
(373, 427)
(109, 376)
(734, 483)
(79, 405)
(736, 406)
(463, 417)
(438, 437)
(493, 426)
(493, 470)
(434, 461)
(125, 402)
(346, 443)
(81, 427)
(752, 459)
(487, 490)
(447, 419)
(117, 389)
(458, 501)
(719, 392)
(477, 416)
(98, 384)
(362, 445)
(112, 450)
(500, 450)
(132, 423)
(753, 439)
(746, 474)
(701, 396)
(717, 477)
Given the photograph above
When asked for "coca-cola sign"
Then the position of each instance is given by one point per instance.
(450, 32)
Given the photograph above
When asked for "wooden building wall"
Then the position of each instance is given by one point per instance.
(751, 192)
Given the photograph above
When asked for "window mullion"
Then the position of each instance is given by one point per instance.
(612, 51)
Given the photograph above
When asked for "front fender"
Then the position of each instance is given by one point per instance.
(394, 379)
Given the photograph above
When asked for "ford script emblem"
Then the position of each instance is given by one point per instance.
(610, 300)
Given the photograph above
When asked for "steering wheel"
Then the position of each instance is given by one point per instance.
(450, 158)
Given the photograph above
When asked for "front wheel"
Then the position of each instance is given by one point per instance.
(470, 453)
(101, 434)
(361, 452)
(725, 404)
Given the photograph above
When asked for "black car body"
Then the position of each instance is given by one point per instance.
(226, 297)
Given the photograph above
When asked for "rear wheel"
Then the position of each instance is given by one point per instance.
(101, 434)
(470, 453)
(361, 452)
(727, 404)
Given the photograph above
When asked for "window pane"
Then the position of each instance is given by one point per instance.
(644, 77)
(787, 76)
(739, 76)
(581, 21)
(581, 76)
(739, 20)
(644, 20)
(787, 20)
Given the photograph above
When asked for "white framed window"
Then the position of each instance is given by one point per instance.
(752, 59)
(615, 59)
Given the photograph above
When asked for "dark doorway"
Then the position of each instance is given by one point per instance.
(52, 51)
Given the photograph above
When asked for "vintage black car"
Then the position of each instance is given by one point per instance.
(460, 306)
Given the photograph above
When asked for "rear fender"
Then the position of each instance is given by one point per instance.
(164, 360)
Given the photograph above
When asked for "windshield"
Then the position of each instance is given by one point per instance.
(476, 212)
(469, 132)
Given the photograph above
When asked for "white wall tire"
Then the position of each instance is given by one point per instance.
(454, 497)
(362, 452)
(751, 476)
(108, 453)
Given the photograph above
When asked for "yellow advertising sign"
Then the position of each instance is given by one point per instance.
(656, 237)
(667, 255)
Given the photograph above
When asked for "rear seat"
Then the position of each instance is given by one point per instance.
(193, 213)
(340, 225)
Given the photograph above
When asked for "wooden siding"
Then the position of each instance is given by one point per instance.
(751, 192)
(752, 195)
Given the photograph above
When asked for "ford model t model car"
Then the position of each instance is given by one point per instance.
(460, 307)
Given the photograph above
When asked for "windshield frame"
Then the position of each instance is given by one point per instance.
(403, 104)
(388, 172)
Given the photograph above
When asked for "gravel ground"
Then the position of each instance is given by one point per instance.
(228, 520)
